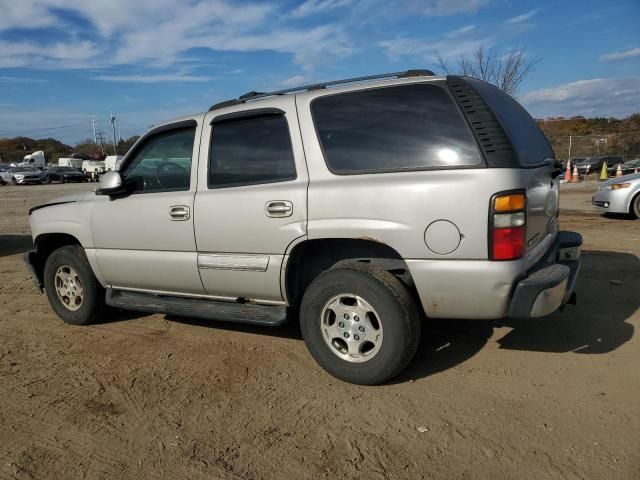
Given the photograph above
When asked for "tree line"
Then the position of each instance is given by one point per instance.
(13, 150)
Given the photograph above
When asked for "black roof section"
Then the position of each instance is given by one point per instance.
(250, 96)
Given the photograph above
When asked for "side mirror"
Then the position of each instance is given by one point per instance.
(111, 184)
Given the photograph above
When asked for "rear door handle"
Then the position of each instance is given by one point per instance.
(278, 208)
(179, 213)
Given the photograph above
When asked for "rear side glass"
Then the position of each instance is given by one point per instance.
(408, 127)
(251, 151)
(528, 140)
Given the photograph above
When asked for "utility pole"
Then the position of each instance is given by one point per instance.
(102, 140)
(570, 141)
(95, 138)
(113, 126)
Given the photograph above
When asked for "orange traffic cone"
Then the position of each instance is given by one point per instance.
(619, 170)
(567, 174)
(574, 175)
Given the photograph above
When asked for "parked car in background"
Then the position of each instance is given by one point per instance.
(619, 195)
(354, 205)
(3, 168)
(574, 161)
(626, 167)
(21, 175)
(63, 174)
(594, 164)
(93, 169)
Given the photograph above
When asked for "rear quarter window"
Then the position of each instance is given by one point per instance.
(408, 127)
(528, 140)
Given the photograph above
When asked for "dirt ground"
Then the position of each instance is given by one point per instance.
(169, 398)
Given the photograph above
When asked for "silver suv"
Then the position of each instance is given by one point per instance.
(361, 206)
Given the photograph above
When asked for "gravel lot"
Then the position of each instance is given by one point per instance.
(169, 398)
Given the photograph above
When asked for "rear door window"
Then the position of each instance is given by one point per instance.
(408, 127)
(251, 151)
(528, 140)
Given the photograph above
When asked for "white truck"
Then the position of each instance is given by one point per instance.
(112, 163)
(35, 159)
(93, 169)
(70, 162)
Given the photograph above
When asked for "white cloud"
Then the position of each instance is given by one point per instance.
(294, 81)
(57, 55)
(159, 33)
(610, 57)
(426, 49)
(20, 80)
(461, 31)
(594, 97)
(316, 7)
(441, 8)
(523, 18)
(152, 78)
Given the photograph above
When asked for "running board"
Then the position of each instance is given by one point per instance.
(198, 308)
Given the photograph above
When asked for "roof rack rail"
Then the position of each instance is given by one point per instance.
(250, 96)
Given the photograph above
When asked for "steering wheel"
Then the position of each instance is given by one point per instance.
(163, 170)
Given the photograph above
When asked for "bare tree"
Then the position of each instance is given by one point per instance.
(506, 72)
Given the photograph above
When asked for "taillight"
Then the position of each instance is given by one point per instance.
(507, 226)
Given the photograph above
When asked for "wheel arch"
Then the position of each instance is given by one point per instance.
(45, 244)
(309, 258)
(633, 199)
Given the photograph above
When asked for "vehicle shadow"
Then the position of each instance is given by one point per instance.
(607, 292)
(14, 244)
(619, 216)
(291, 329)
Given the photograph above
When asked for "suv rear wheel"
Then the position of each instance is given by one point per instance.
(72, 289)
(360, 323)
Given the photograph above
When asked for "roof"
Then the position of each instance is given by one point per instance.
(252, 96)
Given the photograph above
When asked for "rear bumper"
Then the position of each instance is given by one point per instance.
(482, 289)
(550, 284)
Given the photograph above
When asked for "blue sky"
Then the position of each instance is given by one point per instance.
(65, 63)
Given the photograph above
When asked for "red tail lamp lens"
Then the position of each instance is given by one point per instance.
(508, 243)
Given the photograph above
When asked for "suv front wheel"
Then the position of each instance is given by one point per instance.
(72, 289)
(360, 323)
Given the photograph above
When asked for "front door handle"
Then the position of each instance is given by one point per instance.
(179, 213)
(278, 208)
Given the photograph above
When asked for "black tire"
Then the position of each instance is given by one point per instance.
(393, 303)
(15, 182)
(92, 306)
(63, 180)
(634, 209)
(47, 179)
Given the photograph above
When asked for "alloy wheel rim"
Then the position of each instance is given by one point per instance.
(69, 288)
(351, 328)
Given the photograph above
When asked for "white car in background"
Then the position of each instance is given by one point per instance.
(20, 175)
(619, 195)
